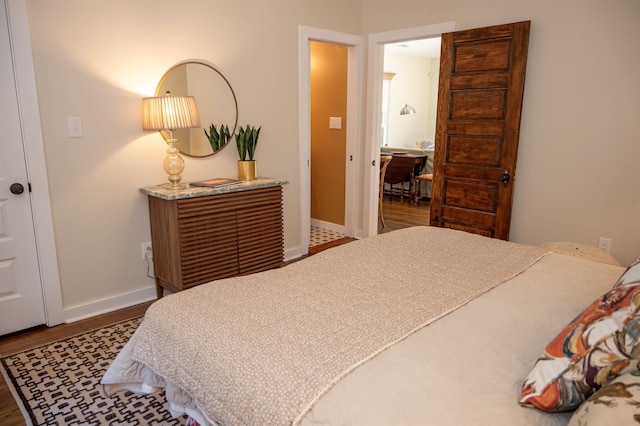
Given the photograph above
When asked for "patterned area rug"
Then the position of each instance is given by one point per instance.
(59, 383)
(321, 236)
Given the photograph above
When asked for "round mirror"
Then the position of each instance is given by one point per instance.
(215, 100)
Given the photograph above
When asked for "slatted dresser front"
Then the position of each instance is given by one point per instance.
(203, 234)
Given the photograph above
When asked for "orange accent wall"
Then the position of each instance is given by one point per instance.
(328, 146)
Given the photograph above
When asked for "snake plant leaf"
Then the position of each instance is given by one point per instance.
(253, 142)
(217, 139)
(246, 141)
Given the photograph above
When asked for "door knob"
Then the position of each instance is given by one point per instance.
(505, 177)
(16, 188)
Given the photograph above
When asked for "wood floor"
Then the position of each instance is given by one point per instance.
(397, 215)
(9, 412)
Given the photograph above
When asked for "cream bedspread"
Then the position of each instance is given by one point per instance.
(467, 368)
(262, 349)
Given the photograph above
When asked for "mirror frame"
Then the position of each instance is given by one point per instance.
(232, 131)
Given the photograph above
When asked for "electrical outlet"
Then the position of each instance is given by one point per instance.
(605, 244)
(147, 251)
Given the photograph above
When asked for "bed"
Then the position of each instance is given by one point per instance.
(362, 335)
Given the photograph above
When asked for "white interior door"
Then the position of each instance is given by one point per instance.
(21, 298)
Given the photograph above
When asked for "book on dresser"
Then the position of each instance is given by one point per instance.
(215, 183)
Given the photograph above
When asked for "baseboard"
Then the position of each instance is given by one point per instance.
(103, 306)
(295, 253)
(328, 226)
(360, 235)
(110, 304)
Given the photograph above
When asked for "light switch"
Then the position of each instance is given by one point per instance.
(335, 122)
(75, 127)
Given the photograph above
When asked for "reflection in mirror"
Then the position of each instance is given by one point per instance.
(215, 100)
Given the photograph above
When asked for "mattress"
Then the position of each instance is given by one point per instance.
(472, 351)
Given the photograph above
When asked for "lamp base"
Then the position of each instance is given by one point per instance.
(174, 186)
(174, 165)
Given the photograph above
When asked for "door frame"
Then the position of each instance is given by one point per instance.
(374, 104)
(354, 44)
(35, 160)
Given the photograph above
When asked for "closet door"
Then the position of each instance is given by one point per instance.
(482, 73)
(21, 292)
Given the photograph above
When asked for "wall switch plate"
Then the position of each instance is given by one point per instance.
(335, 122)
(75, 127)
(605, 244)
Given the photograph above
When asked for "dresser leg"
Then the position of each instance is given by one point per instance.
(159, 290)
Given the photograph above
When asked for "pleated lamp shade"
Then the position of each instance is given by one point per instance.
(169, 113)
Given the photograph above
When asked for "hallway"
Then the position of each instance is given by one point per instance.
(397, 215)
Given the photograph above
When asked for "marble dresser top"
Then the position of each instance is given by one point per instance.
(160, 191)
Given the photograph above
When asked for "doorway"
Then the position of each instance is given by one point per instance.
(328, 77)
(374, 125)
(352, 189)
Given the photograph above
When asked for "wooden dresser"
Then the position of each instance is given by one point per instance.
(203, 234)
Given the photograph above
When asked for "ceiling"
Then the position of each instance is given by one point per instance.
(428, 47)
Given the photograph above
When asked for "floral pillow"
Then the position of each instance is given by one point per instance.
(617, 403)
(597, 346)
(631, 275)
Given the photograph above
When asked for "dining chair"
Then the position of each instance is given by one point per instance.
(399, 171)
(427, 177)
(384, 163)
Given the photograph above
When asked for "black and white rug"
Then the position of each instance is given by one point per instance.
(59, 383)
(322, 236)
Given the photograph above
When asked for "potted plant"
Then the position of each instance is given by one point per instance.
(218, 140)
(246, 141)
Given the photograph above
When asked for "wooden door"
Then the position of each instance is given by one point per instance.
(482, 74)
(21, 300)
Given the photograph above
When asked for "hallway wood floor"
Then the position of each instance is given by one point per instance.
(398, 215)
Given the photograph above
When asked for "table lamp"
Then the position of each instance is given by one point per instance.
(170, 113)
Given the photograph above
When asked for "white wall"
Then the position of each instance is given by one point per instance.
(411, 85)
(433, 98)
(96, 59)
(579, 147)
